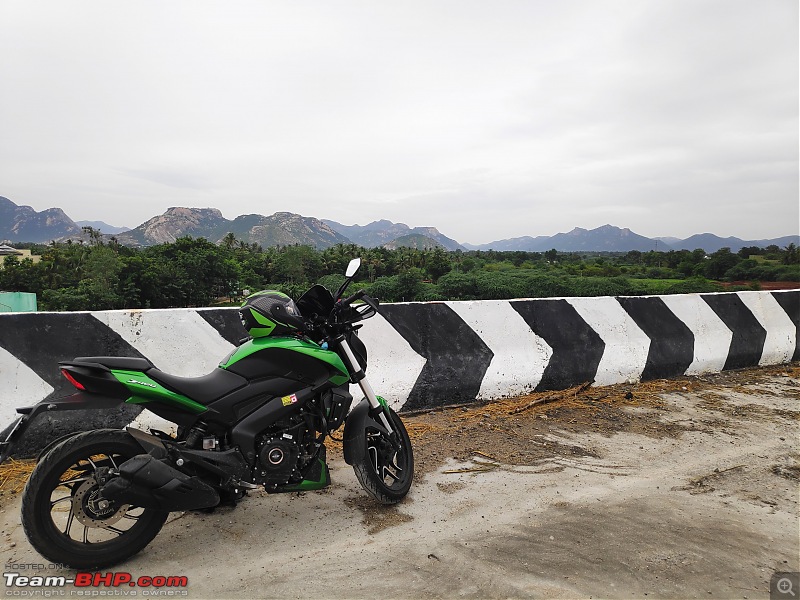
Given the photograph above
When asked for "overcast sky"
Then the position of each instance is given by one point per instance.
(487, 119)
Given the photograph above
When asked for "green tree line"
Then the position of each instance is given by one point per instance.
(196, 272)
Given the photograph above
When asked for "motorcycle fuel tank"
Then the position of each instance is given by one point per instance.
(287, 357)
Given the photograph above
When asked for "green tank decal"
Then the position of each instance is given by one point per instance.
(145, 390)
(294, 344)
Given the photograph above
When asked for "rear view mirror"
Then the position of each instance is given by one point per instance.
(353, 267)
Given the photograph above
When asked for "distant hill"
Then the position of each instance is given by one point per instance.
(614, 239)
(711, 243)
(525, 243)
(669, 241)
(285, 228)
(175, 223)
(379, 233)
(413, 240)
(102, 227)
(24, 224)
(280, 229)
(373, 235)
(606, 238)
(433, 233)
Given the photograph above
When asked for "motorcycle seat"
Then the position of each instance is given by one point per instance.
(203, 389)
(126, 363)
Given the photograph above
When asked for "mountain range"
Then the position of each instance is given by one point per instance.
(380, 233)
(614, 239)
(24, 224)
(280, 229)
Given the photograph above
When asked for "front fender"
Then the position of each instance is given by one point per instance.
(355, 442)
(28, 414)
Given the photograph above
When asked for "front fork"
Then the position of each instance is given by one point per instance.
(358, 376)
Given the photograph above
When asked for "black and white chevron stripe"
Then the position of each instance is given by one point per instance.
(424, 355)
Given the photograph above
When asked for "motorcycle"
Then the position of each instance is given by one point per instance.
(259, 420)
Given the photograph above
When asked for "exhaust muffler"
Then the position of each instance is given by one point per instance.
(150, 483)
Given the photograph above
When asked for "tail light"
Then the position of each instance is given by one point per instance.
(72, 380)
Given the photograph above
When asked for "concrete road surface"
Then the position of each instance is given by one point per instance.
(710, 511)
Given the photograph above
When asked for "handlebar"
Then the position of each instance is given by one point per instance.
(350, 299)
(342, 317)
(358, 313)
(361, 295)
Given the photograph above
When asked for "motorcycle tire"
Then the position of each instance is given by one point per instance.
(64, 517)
(386, 472)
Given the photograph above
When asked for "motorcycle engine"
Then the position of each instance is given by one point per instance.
(283, 451)
(277, 460)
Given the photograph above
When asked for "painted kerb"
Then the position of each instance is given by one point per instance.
(423, 355)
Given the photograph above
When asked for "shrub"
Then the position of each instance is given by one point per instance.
(694, 285)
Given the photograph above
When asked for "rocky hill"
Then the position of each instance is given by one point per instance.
(175, 223)
(606, 238)
(24, 224)
(380, 233)
(413, 240)
(284, 229)
(280, 229)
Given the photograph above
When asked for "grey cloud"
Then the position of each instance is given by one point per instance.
(487, 120)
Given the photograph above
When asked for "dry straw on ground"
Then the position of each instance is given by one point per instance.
(14, 474)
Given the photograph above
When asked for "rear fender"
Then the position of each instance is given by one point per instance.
(28, 414)
(149, 443)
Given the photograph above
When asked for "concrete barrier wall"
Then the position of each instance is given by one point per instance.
(424, 355)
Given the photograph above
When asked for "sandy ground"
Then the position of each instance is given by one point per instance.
(670, 489)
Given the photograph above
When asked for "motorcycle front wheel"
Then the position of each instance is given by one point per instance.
(65, 518)
(386, 469)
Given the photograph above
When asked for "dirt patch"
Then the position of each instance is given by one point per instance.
(377, 517)
(789, 468)
(450, 488)
(510, 433)
(705, 483)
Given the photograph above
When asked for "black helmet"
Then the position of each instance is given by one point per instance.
(270, 313)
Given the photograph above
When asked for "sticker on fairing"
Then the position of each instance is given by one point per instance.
(287, 400)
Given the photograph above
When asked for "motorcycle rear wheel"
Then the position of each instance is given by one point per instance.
(384, 471)
(63, 516)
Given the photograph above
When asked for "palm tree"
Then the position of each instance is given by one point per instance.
(229, 241)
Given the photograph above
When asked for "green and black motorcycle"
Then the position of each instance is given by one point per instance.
(259, 419)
